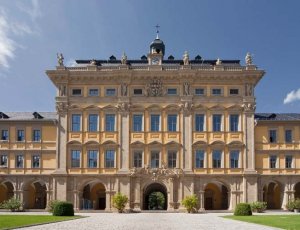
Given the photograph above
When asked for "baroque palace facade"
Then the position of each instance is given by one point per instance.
(179, 127)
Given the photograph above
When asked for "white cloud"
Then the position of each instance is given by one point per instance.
(11, 29)
(292, 96)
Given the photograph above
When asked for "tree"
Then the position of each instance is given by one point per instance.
(156, 201)
(120, 201)
(190, 203)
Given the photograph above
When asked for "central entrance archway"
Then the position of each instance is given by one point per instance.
(155, 197)
(272, 195)
(216, 197)
(93, 196)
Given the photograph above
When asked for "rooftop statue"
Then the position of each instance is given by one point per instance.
(218, 62)
(248, 59)
(186, 58)
(124, 59)
(60, 59)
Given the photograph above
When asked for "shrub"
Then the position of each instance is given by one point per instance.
(190, 203)
(63, 208)
(242, 209)
(51, 204)
(290, 205)
(156, 200)
(120, 201)
(13, 204)
(258, 206)
(297, 203)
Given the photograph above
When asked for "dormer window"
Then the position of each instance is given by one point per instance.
(3, 116)
(36, 115)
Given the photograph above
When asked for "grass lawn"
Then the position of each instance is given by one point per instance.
(13, 221)
(291, 222)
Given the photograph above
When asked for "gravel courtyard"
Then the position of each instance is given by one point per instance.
(151, 221)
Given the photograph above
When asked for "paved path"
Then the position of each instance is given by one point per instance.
(151, 221)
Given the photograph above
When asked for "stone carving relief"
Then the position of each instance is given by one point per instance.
(60, 59)
(248, 107)
(62, 107)
(186, 58)
(186, 87)
(62, 90)
(187, 106)
(124, 89)
(156, 173)
(124, 107)
(154, 88)
(249, 90)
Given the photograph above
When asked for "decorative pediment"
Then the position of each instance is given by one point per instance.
(217, 107)
(235, 107)
(200, 143)
(137, 143)
(91, 107)
(154, 107)
(109, 142)
(74, 143)
(172, 107)
(173, 143)
(217, 143)
(92, 143)
(236, 144)
(154, 143)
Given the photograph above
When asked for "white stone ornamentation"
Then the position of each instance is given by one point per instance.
(154, 88)
(186, 87)
(186, 58)
(124, 89)
(124, 59)
(248, 59)
(249, 107)
(60, 59)
(218, 62)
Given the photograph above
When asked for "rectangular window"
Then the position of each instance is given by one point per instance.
(92, 158)
(154, 159)
(93, 122)
(4, 135)
(216, 92)
(137, 159)
(217, 158)
(288, 136)
(137, 123)
(75, 158)
(93, 92)
(172, 91)
(199, 91)
(172, 158)
(110, 92)
(76, 122)
(138, 92)
(3, 160)
(234, 122)
(20, 135)
(35, 161)
(19, 161)
(199, 159)
(172, 122)
(272, 136)
(110, 122)
(273, 162)
(234, 158)
(36, 135)
(76, 92)
(154, 122)
(288, 162)
(234, 91)
(109, 158)
(199, 123)
(217, 121)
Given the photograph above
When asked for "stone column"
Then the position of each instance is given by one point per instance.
(60, 187)
(201, 201)
(108, 200)
(124, 134)
(78, 200)
(171, 195)
(137, 195)
(187, 134)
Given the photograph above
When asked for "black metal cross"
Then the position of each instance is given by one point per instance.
(157, 26)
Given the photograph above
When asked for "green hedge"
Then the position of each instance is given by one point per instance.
(63, 209)
(243, 209)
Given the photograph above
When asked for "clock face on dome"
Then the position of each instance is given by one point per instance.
(155, 61)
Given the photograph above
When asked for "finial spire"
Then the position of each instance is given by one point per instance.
(157, 31)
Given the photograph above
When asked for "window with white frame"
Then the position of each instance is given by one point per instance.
(75, 158)
(110, 92)
(273, 161)
(172, 91)
(3, 160)
(19, 161)
(93, 92)
(217, 122)
(110, 122)
(199, 158)
(110, 158)
(76, 123)
(172, 158)
(216, 91)
(234, 122)
(154, 159)
(234, 158)
(36, 135)
(93, 122)
(273, 136)
(92, 158)
(76, 92)
(137, 122)
(36, 161)
(137, 158)
(217, 158)
(233, 92)
(155, 122)
(199, 91)
(288, 161)
(172, 122)
(4, 135)
(199, 122)
(20, 135)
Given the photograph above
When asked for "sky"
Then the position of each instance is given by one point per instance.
(32, 32)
